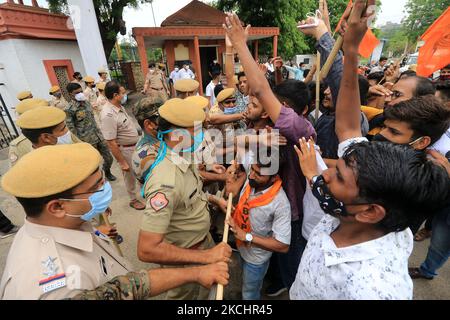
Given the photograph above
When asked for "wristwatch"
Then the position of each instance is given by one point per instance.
(249, 237)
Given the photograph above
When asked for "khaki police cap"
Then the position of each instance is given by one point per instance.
(23, 95)
(199, 101)
(88, 79)
(146, 108)
(29, 104)
(41, 117)
(101, 86)
(186, 85)
(51, 170)
(54, 89)
(225, 94)
(182, 113)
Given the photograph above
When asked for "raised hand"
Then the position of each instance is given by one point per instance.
(316, 32)
(307, 156)
(235, 31)
(357, 24)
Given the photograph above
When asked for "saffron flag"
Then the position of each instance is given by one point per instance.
(435, 53)
(368, 43)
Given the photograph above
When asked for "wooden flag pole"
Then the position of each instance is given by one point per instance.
(105, 217)
(219, 295)
(316, 116)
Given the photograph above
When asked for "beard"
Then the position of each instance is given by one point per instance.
(253, 183)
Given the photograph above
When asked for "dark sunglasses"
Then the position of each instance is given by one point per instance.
(229, 101)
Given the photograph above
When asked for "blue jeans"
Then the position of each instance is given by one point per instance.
(439, 250)
(252, 279)
(288, 262)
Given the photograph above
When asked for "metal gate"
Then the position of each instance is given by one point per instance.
(8, 130)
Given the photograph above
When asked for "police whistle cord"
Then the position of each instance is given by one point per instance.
(219, 292)
(114, 241)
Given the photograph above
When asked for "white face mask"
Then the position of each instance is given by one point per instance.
(176, 69)
(65, 139)
(80, 97)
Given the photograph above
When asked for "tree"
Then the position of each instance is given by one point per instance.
(421, 14)
(284, 14)
(109, 17)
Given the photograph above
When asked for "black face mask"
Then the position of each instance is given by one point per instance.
(329, 204)
(380, 138)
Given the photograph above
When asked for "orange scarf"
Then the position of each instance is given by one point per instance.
(241, 214)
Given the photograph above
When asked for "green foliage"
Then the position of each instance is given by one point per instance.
(109, 17)
(421, 14)
(284, 14)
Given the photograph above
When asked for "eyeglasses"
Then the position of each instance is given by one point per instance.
(229, 101)
(90, 192)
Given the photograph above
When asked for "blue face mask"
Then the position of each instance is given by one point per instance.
(198, 139)
(230, 110)
(99, 201)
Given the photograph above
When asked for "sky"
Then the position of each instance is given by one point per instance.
(391, 10)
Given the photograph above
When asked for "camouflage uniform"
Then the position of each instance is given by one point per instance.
(81, 122)
(132, 286)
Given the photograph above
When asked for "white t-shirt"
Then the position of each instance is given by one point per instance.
(443, 144)
(210, 93)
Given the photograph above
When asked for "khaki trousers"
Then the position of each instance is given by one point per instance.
(128, 176)
(190, 291)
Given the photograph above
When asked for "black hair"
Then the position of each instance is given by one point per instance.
(363, 89)
(383, 58)
(407, 74)
(424, 87)
(446, 67)
(71, 87)
(306, 72)
(426, 116)
(444, 88)
(217, 89)
(111, 88)
(164, 125)
(294, 93)
(77, 74)
(215, 74)
(34, 134)
(377, 76)
(400, 179)
(33, 207)
(240, 74)
(151, 65)
(302, 64)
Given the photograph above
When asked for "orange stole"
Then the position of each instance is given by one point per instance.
(241, 214)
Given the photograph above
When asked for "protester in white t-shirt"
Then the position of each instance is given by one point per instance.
(209, 93)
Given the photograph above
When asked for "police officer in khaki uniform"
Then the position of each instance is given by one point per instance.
(121, 135)
(89, 92)
(186, 88)
(155, 85)
(101, 101)
(103, 74)
(21, 145)
(23, 95)
(58, 100)
(57, 253)
(176, 222)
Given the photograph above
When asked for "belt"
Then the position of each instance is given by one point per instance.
(127, 145)
(198, 244)
(158, 89)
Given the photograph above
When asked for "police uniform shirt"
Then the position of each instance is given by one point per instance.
(60, 103)
(55, 263)
(155, 80)
(176, 205)
(18, 148)
(144, 156)
(117, 124)
(91, 96)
